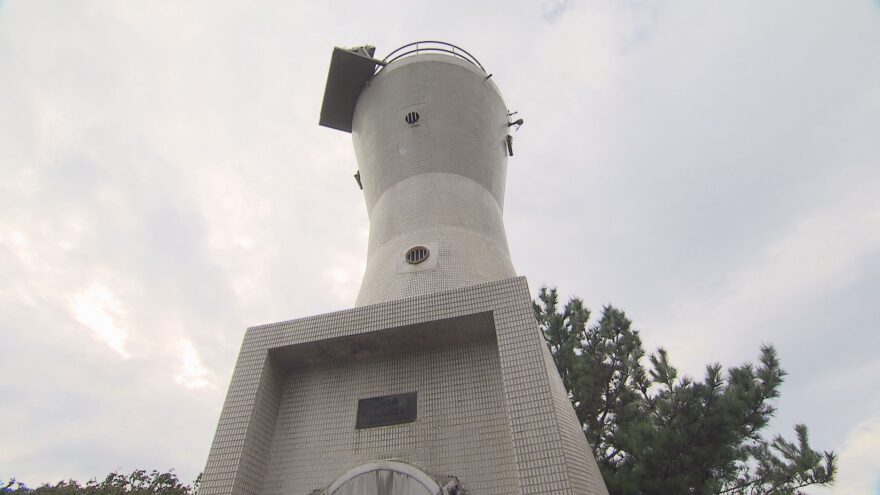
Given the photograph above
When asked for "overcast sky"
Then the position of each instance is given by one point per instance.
(711, 168)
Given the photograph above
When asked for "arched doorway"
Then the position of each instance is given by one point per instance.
(389, 478)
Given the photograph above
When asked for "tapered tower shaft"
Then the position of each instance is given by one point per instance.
(430, 133)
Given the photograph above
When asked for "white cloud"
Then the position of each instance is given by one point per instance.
(97, 309)
(858, 460)
(821, 252)
(164, 185)
(192, 373)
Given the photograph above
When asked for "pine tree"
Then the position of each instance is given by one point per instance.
(655, 432)
(138, 482)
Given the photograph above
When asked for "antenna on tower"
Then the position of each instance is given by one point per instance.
(511, 123)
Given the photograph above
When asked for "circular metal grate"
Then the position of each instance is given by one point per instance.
(416, 255)
(412, 118)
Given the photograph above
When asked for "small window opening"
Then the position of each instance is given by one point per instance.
(412, 118)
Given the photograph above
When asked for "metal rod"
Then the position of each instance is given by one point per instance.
(465, 55)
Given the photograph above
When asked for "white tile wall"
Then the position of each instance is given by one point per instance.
(290, 429)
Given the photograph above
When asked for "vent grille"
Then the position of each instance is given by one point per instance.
(416, 255)
(412, 118)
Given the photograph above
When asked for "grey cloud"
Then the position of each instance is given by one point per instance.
(172, 156)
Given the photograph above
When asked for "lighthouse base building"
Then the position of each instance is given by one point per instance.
(478, 400)
(439, 381)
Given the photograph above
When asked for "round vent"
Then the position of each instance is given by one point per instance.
(412, 118)
(416, 255)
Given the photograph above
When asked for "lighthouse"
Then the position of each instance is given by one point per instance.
(438, 381)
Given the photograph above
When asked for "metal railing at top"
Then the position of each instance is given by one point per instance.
(429, 46)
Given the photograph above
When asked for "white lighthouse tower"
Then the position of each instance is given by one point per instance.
(438, 381)
(430, 134)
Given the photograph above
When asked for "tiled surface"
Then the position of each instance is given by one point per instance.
(441, 181)
(253, 435)
(455, 433)
(575, 447)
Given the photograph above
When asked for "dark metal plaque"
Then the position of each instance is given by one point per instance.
(386, 410)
